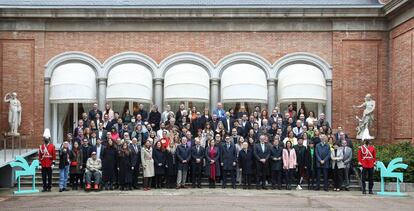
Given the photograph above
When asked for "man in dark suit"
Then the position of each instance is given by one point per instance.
(135, 150)
(98, 148)
(93, 112)
(197, 157)
(262, 154)
(228, 122)
(101, 133)
(229, 161)
(276, 163)
(183, 159)
(246, 164)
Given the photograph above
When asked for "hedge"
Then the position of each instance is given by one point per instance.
(386, 153)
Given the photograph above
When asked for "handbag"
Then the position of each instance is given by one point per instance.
(73, 163)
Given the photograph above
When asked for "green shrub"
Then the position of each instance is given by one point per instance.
(386, 153)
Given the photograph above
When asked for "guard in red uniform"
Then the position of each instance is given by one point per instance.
(367, 157)
(47, 157)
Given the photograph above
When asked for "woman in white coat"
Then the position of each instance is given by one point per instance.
(338, 166)
(147, 164)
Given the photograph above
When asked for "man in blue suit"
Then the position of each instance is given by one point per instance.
(229, 161)
(219, 111)
(323, 155)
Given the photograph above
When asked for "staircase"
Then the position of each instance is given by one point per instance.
(27, 181)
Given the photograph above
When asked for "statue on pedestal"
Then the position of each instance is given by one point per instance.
(15, 113)
(367, 118)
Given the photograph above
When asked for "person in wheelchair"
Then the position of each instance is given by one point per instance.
(93, 171)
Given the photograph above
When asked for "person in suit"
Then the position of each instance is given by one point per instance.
(310, 164)
(183, 159)
(86, 151)
(323, 154)
(228, 122)
(262, 154)
(276, 163)
(160, 163)
(101, 133)
(337, 156)
(135, 161)
(212, 170)
(154, 118)
(229, 161)
(92, 113)
(197, 160)
(245, 160)
(347, 159)
(98, 148)
(289, 163)
(219, 111)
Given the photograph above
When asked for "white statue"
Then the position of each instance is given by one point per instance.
(15, 112)
(367, 118)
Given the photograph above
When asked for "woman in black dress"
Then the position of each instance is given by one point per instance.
(109, 157)
(171, 162)
(160, 160)
(125, 167)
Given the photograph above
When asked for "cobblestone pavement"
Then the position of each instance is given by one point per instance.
(204, 199)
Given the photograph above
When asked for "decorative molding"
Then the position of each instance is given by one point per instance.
(72, 56)
(129, 56)
(185, 57)
(302, 57)
(243, 57)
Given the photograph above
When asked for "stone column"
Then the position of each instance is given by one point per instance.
(158, 93)
(214, 93)
(271, 95)
(101, 93)
(329, 101)
(55, 125)
(47, 112)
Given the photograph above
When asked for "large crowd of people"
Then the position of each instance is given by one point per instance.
(110, 150)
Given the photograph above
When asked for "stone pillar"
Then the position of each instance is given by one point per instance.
(101, 93)
(214, 93)
(158, 93)
(54, 128)
(329, 101)
(271, 95)
(47, 112)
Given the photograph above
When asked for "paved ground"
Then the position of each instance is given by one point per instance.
(204, 199)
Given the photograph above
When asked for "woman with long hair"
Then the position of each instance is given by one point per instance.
(109, 158)
(147, 164)
(212, 170)
(289, 163)
(75, 165)
(125, 167)
(160, 163)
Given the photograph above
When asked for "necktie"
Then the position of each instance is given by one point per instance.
(228, 146)
(198, 149)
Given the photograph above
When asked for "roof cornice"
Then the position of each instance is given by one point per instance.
(281, 12)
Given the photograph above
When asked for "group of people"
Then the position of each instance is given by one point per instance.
(110, 151)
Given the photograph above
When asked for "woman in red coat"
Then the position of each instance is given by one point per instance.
(367, 158)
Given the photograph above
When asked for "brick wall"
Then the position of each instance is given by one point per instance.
(402, 60)
(359, 61)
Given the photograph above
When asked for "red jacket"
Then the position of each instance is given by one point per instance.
(367, 156)
(47, 155)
